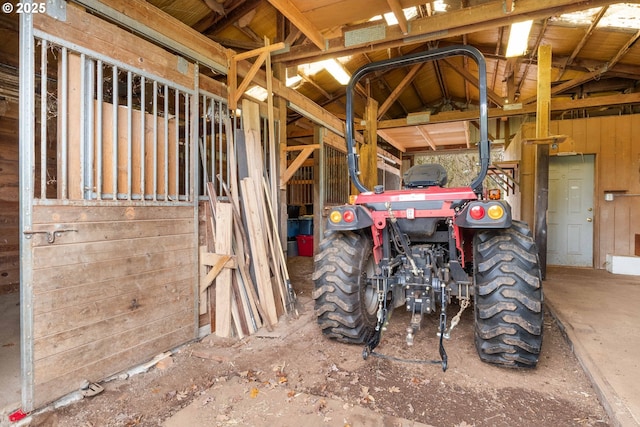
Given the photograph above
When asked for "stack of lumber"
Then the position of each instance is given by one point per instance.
(243, 268)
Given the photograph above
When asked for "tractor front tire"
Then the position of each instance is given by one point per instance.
(508, 297)
(345, 301)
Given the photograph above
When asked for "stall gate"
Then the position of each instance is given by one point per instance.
(109, 204)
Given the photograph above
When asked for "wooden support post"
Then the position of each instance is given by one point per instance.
(236, 91)
(542, 153)
(369, 150)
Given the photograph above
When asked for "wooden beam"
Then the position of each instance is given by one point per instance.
(295, 165)
(427, 138)
(396, 8)
(494, 97)
(486, 16)
(369, 149)
(293, 14)
(406, 81)
(556, 105)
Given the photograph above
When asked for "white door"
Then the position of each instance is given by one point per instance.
(570, 218)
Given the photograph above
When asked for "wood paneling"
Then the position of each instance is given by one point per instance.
(112, 294)
(612, 140)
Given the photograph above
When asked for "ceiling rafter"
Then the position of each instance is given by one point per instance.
(234, 12)
(427, 138)
(395, 94)
(396, 8)
(293, 14)
(583, 41)
(468, 77)
(593, 74)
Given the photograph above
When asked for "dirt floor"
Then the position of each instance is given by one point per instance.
(295, 376)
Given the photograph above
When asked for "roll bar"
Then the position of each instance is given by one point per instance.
(401, 61)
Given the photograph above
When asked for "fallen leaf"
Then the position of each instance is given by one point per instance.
(254, 393)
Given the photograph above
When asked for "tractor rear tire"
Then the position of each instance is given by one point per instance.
(345, 301)
(508, 297)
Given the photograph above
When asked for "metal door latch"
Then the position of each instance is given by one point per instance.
(51, 235)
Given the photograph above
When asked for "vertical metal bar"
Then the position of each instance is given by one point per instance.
(187, 148)
(166, 142)
(83, 125)
(87, 148)
(155, 140)
(221, 136)
(204, 141)
(114, 163)
(176, 117)
(64, 125)
(99, 129)
(43, 118)
(142, 136)
(26, 147)
(129, 134)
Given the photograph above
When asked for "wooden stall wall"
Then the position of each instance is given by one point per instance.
(9, 193)
(115, 291)
(613, 140)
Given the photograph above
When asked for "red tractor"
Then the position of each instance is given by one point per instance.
(427, 246)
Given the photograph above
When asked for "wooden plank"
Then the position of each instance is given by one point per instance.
(260, 261)
(86, 252)
(224, 261)
(98, 270)
(224, 230)
(47, 214)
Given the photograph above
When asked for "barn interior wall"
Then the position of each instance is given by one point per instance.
(9, 195)
(611, 140)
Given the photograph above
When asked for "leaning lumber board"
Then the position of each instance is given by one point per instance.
(224, 226)
(258, 250)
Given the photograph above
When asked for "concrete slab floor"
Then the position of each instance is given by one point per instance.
(599, 313)
(9, 353)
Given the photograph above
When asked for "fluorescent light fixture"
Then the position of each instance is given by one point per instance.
(390, 18)
(439, 6)
(337, 71)
(293, 80)
(258, 93)
(518, 38)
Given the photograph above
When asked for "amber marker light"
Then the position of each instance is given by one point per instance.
(495, 212)
(335, 217)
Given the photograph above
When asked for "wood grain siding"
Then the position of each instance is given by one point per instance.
(110, 295)
(613, 139)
